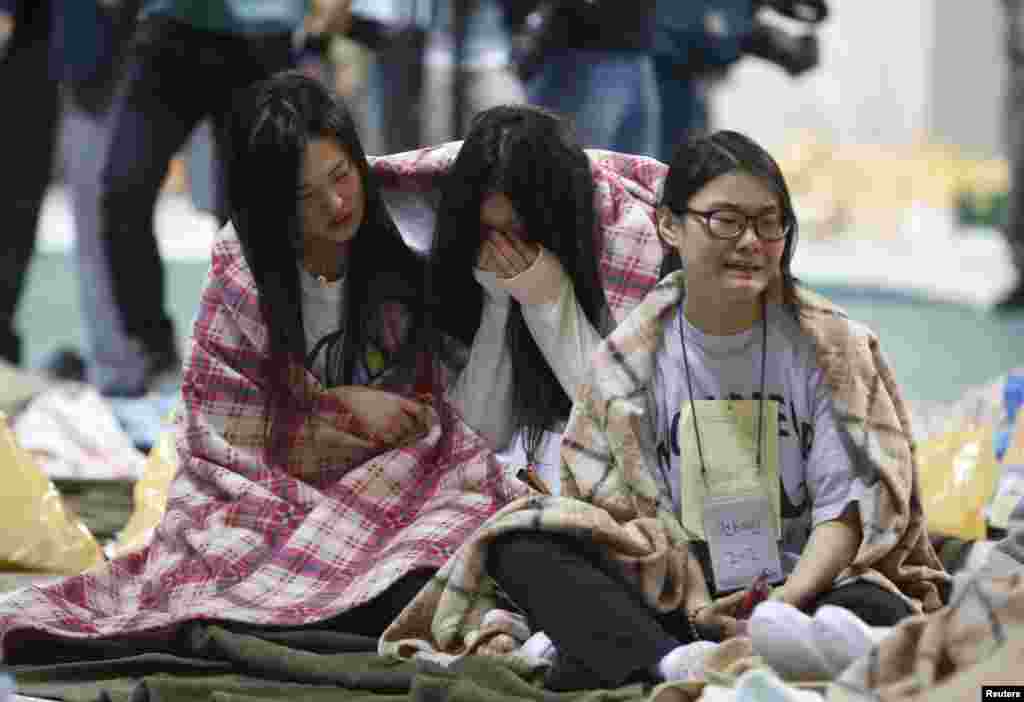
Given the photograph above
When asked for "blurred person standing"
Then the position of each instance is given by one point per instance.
(1014, 126)
(395, 31)
(187, 61)
(592, 60)
(485, 68)
(694, 43)
(46, 48)
(29, 74)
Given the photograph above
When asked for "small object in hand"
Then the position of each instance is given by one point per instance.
(530, 476)
(757, 593)
(423, 389)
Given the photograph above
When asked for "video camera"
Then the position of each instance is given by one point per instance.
(795, 54)
(538, 26)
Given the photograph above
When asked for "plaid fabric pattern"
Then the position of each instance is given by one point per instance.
(627, 190)
(978, 639)
(610, 496)
(338, 522)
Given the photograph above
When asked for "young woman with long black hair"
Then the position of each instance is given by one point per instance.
(513, 272)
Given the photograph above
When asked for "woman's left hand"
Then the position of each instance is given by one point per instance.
(506, 255)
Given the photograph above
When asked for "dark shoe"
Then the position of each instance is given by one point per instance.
(64, 364)
(163, 369)
(10, 347)
(1013, 302)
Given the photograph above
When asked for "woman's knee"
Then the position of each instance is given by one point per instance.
(518, 552)
(871, 603)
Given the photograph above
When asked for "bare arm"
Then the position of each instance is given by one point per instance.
(831, 547)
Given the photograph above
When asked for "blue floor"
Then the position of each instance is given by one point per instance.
(937, 349)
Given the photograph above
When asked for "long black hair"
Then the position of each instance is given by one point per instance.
(699, 161)
(269, 128)
(532, 157)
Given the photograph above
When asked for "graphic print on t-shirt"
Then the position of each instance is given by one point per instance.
(791, 429)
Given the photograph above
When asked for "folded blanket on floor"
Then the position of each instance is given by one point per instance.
(609, 495)
(249, 663)
(243, 540)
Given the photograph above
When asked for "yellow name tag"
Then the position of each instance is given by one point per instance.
(728, 444)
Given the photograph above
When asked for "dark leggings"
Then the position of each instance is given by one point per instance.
(871, 603)
(373, 617)
(604, 633)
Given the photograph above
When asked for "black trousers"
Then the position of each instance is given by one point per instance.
(605, 634)
(28, 123)
(373, 617)
(175, 76)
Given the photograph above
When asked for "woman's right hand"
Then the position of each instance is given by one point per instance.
(387, 418)
(506, 255)
(718, 620)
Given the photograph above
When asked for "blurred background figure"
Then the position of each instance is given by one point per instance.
(1014, 9)
(696, 42)
(187, 61)
(592, 60)
(395, 33)
(485, 67)
(53, 54)
(29, 68)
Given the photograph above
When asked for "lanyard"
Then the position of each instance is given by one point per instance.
(689, 387)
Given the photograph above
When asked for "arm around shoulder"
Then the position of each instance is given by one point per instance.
(555, 318)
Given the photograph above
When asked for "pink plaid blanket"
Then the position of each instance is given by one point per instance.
(343, 517)
(627, 188)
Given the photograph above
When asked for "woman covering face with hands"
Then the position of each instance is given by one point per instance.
(513, 272)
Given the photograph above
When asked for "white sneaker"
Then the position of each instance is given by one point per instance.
(540, 646)
(686, 662)
(842, 637)
(781, 635)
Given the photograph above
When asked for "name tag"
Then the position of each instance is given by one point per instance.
(741, 536)
(728, 431)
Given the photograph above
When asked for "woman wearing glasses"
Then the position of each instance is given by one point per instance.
(724, 423)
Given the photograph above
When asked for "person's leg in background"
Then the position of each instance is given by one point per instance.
(151, 117)
(639, 132)
(682, 109)
(115, 363)
(610, 95)
(490, 80)
(396, 81)
(28, 123)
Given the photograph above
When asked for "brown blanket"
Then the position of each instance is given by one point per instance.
(608, 494)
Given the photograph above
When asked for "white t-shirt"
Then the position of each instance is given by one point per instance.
(321, 314)
(814, 466)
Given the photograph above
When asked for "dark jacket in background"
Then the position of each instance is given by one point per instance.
(599, 25)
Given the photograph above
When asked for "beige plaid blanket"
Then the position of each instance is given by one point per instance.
(609, 495)
(948, 655)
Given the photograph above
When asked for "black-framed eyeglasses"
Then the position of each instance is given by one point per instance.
(730, 224)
